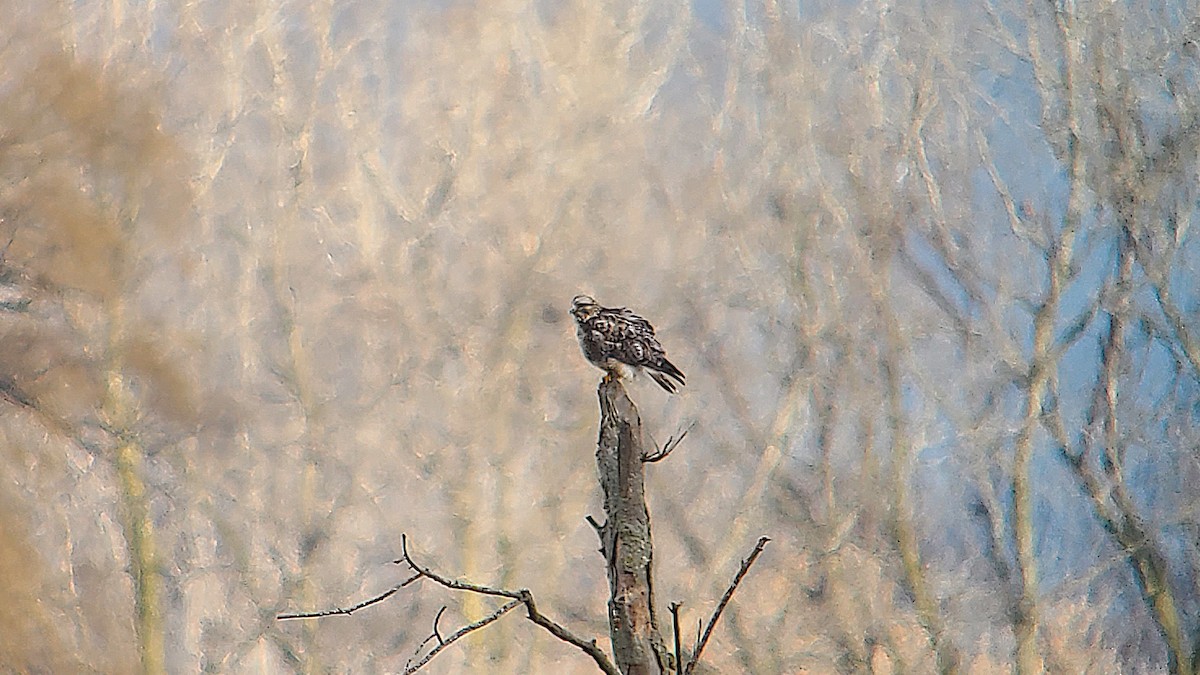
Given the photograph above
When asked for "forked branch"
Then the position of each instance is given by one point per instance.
(522, 596)
(518, 597)
(442, 643)
(667, 448)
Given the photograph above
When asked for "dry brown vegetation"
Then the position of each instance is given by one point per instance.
(281, 281)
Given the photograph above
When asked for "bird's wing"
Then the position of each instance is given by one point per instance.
(622, 335)
(630, 337)
(634, 320)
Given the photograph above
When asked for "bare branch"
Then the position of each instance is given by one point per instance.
(452, 584)
(712, 622)
(522, 596)
(346, 611)
(518, 597)
(589, 646)
(410, 668)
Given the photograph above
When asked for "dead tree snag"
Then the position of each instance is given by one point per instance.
(625, 539)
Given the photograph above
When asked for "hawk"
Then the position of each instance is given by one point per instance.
(622, 343)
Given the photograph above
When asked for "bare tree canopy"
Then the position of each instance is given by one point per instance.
(280, 281)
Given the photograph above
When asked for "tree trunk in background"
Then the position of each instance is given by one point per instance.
(625, 536)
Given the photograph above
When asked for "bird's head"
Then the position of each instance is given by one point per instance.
(583, 307)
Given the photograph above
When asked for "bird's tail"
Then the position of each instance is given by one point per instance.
(663, 371)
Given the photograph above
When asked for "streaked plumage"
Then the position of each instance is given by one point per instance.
(621, 343)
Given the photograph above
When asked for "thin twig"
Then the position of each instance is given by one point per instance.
(678, 641)
(435, 635)
(673, 442)
(350, 610)
(436, 618)
(410, 667)
(712, 622)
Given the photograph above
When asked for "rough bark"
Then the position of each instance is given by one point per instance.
(638, 645)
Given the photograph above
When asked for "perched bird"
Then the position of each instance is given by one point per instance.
(622, 343)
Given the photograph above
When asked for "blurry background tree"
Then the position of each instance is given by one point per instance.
(282, 280)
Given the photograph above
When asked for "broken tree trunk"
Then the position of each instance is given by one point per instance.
(625, 540)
